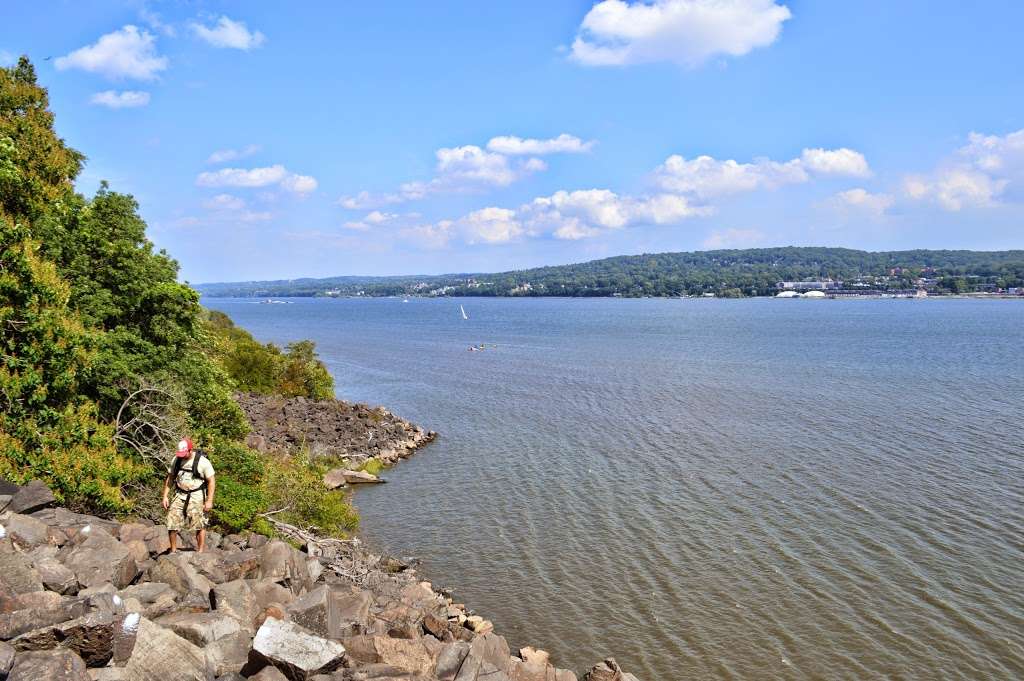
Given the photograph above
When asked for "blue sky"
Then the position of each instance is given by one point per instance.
(275, 140)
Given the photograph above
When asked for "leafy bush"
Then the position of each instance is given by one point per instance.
(296, 485)
(241, 491)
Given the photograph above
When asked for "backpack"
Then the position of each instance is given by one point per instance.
(176, 468)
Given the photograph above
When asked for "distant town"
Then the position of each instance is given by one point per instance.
(787, 272)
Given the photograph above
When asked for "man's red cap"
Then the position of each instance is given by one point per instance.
(184, 448)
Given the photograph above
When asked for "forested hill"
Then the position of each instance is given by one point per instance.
(749, 272)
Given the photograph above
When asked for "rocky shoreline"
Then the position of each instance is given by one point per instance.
(329, 428)
(84, 598)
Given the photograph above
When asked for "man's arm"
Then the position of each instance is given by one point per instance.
(211, 483)
(167, 491)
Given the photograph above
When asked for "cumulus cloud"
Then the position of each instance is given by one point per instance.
(510, 145)
(155, 22)
(258, 177)
(224, 202)
(733, 238)
(229, 33)
(225, 155)
(860, 199)
(465, 169)
(125, 53)
(846, 162)
(685, 32)
(120, 100)
(707, 177)
(986, 171)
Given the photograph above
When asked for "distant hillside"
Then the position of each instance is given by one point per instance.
(734, 273)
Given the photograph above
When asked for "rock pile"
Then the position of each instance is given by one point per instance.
(330, 428)
(83, 598)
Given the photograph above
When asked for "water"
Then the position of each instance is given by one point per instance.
(708, 489)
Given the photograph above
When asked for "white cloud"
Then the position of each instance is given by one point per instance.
(706, 177)
(125, 53)
(511, 145)
(229, 33)
(685, 32)
(470, 163)
(491, 225)
(985, 172)
(299, 184)
(589, 212)
(120, 100)
(155, 22)
(258, 177)
(224, 202)
(433, 236)
(846, 162)
(225, 155)
(860, 199)
(733, 238)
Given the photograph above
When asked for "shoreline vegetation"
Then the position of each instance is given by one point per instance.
(755, 272)
(106, 360)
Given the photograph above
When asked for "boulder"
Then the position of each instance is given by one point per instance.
(176, 570)
(134, 532)
(17, 575)
(268, 674)
(157, 540)
(100, 558)
(32, 497)
(25, 531)
(90, 637)
(450, 659)
(55, 576)
(297, 652)
(333, 612)
(38, 609)
(285, 565)
(608, 670)
(238, 600)
(6, 659)
(159, 654)
(228, 654)
(51, 665)
(200, 628)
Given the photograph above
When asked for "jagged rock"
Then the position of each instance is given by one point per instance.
(297, 652)
(51, 665)
(608, 670)
(25, 531)
(154, 599)
(32, 497)
(228, 653)
(238, 600)
(100, 558)
(38, 609)
(331, 612)
(55, 576)
(284, 564)
(71, 525)
(176, 570)
(200, 628)
(90, 637)
(157, 540)
(159, 654)
(450, 659)
(107, 674)
(6, 659)
(268, 592)
(134, 532)
(17, 575)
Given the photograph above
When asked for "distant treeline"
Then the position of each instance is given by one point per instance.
(732, 273)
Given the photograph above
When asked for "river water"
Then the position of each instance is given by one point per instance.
(708, 489)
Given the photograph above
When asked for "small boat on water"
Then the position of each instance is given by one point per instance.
(463, 311)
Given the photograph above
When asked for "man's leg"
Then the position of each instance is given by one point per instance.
(200, 540)
(172, 538)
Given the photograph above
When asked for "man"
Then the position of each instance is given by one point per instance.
(192, 475)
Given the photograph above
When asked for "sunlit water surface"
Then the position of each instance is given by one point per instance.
(708, 489)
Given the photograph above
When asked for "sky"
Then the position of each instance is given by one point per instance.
(268, 140)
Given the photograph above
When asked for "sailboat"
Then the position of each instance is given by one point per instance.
(463, 310)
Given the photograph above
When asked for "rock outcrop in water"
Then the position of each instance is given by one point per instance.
(83, 598)
(330, 428)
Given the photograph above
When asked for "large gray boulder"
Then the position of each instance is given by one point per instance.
(608, 670)
(331, 611)
(25, 531)
(237, 599)
(7, 654)
(297, 652)
(38, 609)
(32, 497)
(99, 558)
(17, 575)
(161, 655)
(200, 628)
(176, 570)
(90, 637)
(51, 665)
(228, 654)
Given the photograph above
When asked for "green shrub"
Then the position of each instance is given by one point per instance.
(241, 489)
(296, 485)
(373, 466)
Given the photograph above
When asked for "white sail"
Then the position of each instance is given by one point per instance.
(463, 310)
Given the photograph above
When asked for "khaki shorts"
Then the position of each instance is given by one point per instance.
(194, 518)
